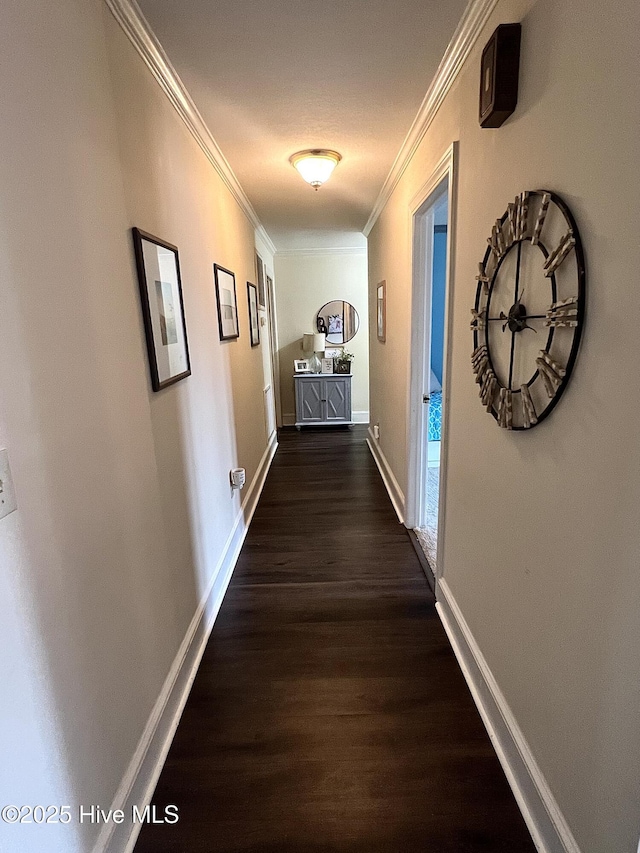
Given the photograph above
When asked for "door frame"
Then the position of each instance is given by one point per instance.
(270, 290)
(417, 422)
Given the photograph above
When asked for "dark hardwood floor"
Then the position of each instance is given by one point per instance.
(329, 712)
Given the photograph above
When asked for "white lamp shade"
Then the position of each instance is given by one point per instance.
(315, 166)
(307, 342)
(319, 342)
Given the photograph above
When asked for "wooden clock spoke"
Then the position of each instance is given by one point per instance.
(511, 357)
(515, 298)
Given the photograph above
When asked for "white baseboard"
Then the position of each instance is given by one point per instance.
(139, 782)
(546, 823)
(289, 418)
(393, 487)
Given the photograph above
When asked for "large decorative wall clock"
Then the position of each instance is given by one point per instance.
(529, 310)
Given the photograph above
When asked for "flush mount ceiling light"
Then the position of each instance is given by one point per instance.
(315, 165)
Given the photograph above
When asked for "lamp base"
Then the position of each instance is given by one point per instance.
(315, 364)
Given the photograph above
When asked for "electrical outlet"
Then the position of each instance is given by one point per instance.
(7, 493)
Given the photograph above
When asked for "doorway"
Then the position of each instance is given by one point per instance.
(432, 217)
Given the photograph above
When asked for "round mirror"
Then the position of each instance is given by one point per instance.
(338, 320)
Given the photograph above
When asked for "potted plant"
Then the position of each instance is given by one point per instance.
(342, 364)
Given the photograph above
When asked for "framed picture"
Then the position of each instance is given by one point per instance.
(327, 365)
(254, 323)
(301, 365)
(381, 304)
(332, 352)
(260, 279)
(227, 303)
(335, 324)
(162, 309)
(268, 286)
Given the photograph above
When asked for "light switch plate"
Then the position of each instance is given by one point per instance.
(7, 492)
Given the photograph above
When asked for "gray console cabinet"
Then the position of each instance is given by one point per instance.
(323, 399)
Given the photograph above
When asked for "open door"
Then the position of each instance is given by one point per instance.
(427, 432)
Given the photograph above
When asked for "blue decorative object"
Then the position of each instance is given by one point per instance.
(435, 416)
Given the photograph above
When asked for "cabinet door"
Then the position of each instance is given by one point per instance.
(337, 394)
(310, 401)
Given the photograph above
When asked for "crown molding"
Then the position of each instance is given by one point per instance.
(136, 27)
(464, 38)
(338, 250)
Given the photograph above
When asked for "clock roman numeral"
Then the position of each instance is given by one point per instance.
(505, 408)
(480, 361)
(512, 217)
(522, 215)
(551, 372)
(542, 215)
(563, 314)
(478, 320)
(483, 278)
(488, 388)
(529, 415)
(559, 253)
(496, 241)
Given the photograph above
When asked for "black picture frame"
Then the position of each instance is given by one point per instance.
(254, 318)
(228, 324)
(260, 273)
(162, 309)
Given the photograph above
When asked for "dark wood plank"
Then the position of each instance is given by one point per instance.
(329, 712)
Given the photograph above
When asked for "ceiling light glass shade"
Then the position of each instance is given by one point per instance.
(315, 165)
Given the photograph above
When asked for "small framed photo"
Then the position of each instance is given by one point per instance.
(301, 365)
(332, 352)
(260, 279)
(381, 304)
(162, 309)
(254, 324)
(227, 303)
(327, 365)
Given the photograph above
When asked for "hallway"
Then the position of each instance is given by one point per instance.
(329, 712)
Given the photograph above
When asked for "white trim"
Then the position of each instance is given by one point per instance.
(546, 823)
(140, 779)
(467, 32)
(392, 485)
(289, 418)
(338, 250)
(128, 14)
(446, 169)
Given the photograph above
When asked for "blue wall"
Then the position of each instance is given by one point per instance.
(437, 299)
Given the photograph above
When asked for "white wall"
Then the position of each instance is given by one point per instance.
(124, 501)
(305, 281)
(541, 537)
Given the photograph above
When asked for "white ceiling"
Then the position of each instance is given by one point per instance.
(272, 78)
